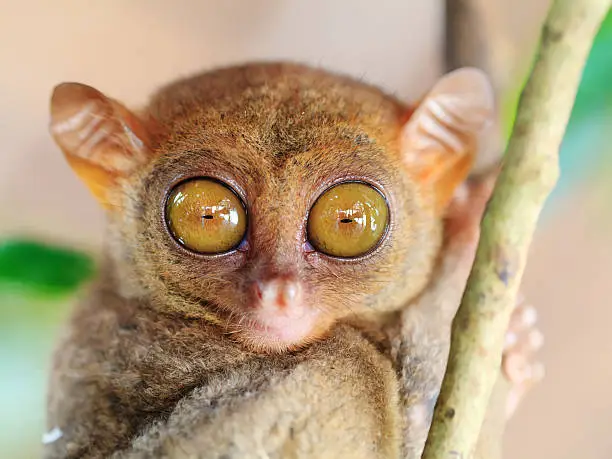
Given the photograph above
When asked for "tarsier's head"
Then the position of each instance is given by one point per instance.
(275, 199)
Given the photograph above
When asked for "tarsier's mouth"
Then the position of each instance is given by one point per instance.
(278, 332)
(284, 327)
(265, 330)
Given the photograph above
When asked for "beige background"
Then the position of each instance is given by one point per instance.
(128, 48)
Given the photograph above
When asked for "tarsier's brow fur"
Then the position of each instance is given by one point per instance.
(150, 366)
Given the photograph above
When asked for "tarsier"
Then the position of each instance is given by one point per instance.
(286, 249)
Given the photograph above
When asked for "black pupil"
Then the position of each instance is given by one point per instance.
(346, 220)
(207, 217)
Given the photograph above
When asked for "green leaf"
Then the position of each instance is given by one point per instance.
(42, 268)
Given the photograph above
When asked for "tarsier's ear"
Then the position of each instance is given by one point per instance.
(440, 139)
(101, 139)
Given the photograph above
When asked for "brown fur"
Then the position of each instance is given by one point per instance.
(158, 360)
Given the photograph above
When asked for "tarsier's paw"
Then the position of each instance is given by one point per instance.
(523, 340)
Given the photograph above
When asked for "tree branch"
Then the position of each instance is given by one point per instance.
(475, 38)
(530, 172)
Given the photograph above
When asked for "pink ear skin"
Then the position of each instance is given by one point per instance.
(440, 140)
(101, 139)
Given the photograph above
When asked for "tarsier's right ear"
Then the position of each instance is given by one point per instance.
(102, 140)
(440, 139)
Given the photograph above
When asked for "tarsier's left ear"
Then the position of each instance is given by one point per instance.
(440, 139)
(101, 139)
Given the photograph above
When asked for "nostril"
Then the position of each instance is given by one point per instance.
(258, 288)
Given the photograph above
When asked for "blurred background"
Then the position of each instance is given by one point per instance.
(51, 230)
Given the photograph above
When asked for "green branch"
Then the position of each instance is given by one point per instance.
(529, 173)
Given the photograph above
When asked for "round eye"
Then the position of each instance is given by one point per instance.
(348, 220)
(206, 216)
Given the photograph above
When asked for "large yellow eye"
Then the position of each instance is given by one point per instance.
(206, 216)
(348, 220)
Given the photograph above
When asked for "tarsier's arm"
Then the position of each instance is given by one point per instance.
(421, 339)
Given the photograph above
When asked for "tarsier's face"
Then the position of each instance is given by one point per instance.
(273, 200)
(280, 244)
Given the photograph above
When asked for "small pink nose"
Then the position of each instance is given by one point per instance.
(279, 292)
